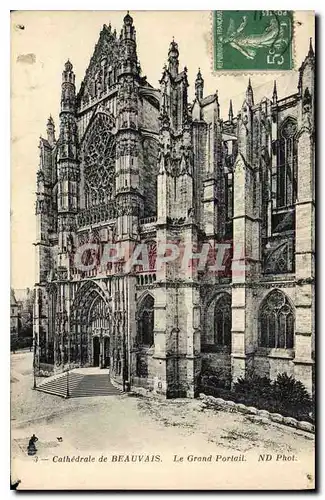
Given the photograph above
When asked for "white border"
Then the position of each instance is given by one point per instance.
(318, 6)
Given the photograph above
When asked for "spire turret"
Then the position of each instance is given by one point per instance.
(50, 128)
(68, 89)
(128, 48)
(275, 93)
(249, 94)
(230, 113)
(199, 85)
(128, 31)
(311, 52)
(173, 55)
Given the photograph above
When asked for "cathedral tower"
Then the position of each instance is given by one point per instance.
(129, 198)
(67, 202)
(177, 321)
(68, 166)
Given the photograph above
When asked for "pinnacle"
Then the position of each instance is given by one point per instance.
(249, 93)
(274, 88)
(231, 113)
(128, 20)
(68, 66)
(173, 44)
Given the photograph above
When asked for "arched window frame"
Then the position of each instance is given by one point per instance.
(286, 177)
(145, 323)
(99, 153)
(276, 322)
(222, 320)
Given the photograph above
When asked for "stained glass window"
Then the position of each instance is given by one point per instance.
(99, 163)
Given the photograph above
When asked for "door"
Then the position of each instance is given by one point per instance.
(96, 351)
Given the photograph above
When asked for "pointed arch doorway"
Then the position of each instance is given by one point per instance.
(92, 326)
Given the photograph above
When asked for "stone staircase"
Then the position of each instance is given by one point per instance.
(81, 385)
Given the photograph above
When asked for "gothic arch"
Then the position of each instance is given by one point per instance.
(276, 321)
(287, 162)
(84, 290)
(108, 117)
(98, 158)
(217, 321)
(91, 315)
(304, 130)
(145, 320)
(142, 298)
(289, 119)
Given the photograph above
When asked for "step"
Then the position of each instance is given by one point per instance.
(80, 385)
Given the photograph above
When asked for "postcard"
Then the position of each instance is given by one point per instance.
(163, 204)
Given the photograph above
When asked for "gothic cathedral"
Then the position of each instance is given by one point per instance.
(137, 165)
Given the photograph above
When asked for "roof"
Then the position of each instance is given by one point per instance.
(208, 99)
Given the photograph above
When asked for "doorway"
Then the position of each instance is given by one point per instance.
(96, 351)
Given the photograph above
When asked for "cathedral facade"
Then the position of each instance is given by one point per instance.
(135, 166)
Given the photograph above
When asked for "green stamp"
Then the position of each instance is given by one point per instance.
(253, 39)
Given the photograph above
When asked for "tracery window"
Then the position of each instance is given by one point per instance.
(146, 322)
(286, 164)
(99, 160)
(276, 322)
(222, 320)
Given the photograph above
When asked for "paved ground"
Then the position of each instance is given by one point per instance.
(125, 424)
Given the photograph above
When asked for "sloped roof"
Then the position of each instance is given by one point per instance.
(107, 47)
(208, 100)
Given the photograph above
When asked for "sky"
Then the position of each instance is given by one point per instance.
(49, 38)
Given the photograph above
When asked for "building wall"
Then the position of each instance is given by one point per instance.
(170, 166)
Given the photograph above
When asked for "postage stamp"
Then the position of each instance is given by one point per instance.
(253, 40)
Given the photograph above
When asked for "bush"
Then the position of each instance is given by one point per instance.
(212, 379)
(285, 395)
(254, 386)
(290, 393)
(20, 342)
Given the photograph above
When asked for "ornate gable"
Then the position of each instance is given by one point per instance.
(102, 70)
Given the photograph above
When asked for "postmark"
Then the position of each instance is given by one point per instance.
(253, 40)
